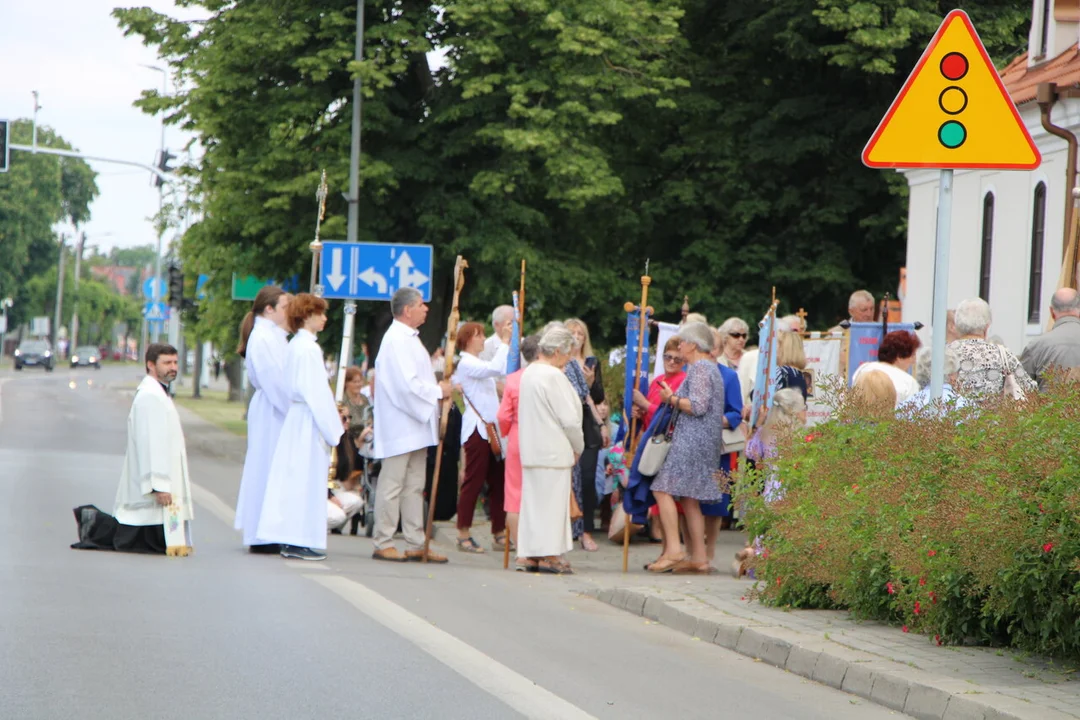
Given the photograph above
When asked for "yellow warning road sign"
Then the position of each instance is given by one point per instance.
(953, 111)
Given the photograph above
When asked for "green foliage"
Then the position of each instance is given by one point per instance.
(721, 140)
(37, 192)
(961, 527)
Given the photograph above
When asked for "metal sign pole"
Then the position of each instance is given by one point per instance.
(353, 228)
(941, 282)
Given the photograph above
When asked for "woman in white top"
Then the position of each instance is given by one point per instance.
(476, 379)
(549, 421)
(263, 345)
(896, 356)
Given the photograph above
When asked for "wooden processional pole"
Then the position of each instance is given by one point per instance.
(451, 348)
(643, 332)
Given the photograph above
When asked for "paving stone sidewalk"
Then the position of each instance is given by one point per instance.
(902, 671)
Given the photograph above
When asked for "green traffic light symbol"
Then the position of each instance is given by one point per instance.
(953, 100)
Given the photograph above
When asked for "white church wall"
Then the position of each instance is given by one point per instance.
(1011, 253)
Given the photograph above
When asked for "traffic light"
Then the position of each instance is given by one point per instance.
(163, 165)
(953, 100)
(176, 286)
(5, 137)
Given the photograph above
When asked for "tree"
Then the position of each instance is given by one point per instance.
(37, 192)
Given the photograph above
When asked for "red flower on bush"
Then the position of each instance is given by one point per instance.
(918, 608)
(933, 597)
(937, 639)
(855, 487)
(889, 588)
(778, 581)
(922, 581)
(904, 628)
(932, 553)
(1048, 547)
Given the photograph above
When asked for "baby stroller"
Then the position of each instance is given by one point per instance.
(369, 473)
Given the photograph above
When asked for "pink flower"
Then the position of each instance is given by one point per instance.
(918, 608)
(809, 438)
(922, 581)
(932, 553)
(904, 628)
(1048, 547)
(743, 597)
(937, 639)
(889, 588)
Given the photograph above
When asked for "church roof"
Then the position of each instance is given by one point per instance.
(1021, 80)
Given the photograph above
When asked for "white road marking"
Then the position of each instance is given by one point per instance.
(517, 691)
(2, 381)
(217, 507)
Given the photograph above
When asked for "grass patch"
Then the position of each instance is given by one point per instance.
(214, 407)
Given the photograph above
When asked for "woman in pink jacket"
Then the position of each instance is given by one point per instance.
(508, 427)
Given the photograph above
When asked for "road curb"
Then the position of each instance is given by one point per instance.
(884, 682)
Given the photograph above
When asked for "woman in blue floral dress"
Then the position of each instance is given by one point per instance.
(689, 471)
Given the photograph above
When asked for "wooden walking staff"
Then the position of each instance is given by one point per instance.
(316, 245)
(451, 348)
(643, 331)
(519, 306)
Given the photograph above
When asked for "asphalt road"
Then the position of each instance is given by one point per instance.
(223, 634)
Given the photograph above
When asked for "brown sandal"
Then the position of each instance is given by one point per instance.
(690, 568)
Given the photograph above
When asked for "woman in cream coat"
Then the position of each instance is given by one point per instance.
(549, 421)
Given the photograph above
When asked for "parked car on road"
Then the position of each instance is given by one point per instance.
(34, 353)
(86, 355)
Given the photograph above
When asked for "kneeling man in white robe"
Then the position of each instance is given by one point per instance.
(153, 501)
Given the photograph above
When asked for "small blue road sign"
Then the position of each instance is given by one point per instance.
(375, 271)
(155, 311)
(200, 294)
(148, 288)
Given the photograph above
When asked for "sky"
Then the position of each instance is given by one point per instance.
(88, 75)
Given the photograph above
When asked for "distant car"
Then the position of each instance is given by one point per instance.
(36, 353)
(86, 356)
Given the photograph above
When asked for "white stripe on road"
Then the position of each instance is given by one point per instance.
(2, 381)
(485, 672)
(217, 507)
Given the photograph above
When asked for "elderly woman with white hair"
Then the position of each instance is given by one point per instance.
(734, 333)
(950, 398)
(551, 441)
(689, 471)
(985, 369)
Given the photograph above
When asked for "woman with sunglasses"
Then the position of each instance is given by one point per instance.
(734, 331)
(645, 406)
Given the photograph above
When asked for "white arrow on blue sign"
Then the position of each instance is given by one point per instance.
(155, 311)
(375, 271)
(148, 288)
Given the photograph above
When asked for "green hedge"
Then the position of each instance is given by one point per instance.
(966, 528)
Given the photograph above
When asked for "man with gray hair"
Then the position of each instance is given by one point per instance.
(406, 425)
(949, 397)
(501, 317)
(860, 308)
(1059, 347)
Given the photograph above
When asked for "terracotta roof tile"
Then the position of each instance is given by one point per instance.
(1021, 81)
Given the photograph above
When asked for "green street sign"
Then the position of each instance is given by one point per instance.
(246, 287)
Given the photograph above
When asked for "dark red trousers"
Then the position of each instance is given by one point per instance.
(481, 466)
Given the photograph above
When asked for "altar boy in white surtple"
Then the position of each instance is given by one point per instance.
(153, 501)
(294, 508)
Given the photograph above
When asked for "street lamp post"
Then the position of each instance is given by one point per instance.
(161, 204)
(79, 248)
(59, 296)
(4, 305)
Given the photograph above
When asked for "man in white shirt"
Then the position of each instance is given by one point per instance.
(406, 425)
(502, 318)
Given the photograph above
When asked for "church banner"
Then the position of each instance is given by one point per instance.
(765, 379)
(666, 332)
(633, 320)
(865, 337)
(823, 357)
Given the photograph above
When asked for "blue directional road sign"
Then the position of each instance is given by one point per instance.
(200, 294)
(375, 271)
(155, 311)
(148, 288)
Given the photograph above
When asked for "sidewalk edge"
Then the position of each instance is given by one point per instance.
(884, 682)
